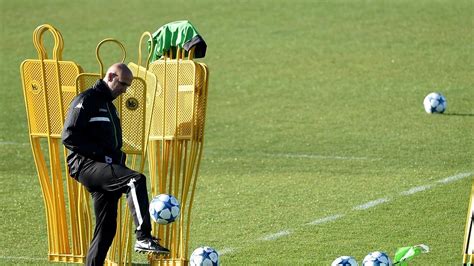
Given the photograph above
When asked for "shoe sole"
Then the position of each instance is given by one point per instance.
(147, 251)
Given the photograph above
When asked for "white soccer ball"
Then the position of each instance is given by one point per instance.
(204, 256)
(435, 103)
(345, 261)
(164, 209)
(377, 258)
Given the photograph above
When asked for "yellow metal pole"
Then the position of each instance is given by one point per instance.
(42, 81)
(178, 156)
(468, 252)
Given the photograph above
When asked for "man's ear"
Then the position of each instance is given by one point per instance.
(110, 76)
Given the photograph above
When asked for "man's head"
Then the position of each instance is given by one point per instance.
(118, 78)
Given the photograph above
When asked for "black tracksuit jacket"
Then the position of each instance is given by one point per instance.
(92, 129)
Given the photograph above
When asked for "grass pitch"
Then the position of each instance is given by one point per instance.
(314, 116)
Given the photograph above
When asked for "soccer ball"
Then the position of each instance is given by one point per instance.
(345, 261)
(377, 258)
(164, 209)
(204, 256)
(435, 103)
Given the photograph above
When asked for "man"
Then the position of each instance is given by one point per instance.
(93, 136)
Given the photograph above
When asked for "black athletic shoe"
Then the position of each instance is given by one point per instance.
(150, 245)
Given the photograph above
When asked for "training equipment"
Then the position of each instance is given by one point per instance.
(405, 254)
(376, 258)
(435, 103)
(170, 133)
(164, 209)
(345, 261)
(176, 139)
(48, 88)
(468, 257)
(132, 110)
(204, 256)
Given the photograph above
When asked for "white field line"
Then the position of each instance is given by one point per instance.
(317, 156)
(450, 179)
(370, 204)
(225, 251)
(415, 190)
(364, 206)
(326, 219)
(306, 156)
(276, 235)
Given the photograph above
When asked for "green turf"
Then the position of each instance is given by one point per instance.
(314, 107)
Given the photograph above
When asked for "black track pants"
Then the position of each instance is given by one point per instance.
(107, 183)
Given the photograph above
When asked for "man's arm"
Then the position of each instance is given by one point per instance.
(75, 136)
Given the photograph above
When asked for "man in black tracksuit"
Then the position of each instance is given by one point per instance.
(93, 136)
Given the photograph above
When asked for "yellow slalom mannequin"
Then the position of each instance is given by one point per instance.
(153, 87)
(468, 257)
(163, 110)
(132, 111)
(176, 144)
(48, 87)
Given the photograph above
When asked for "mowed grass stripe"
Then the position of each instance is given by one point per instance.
(320, 221)
(319, 156)
(21, 258)
(361, 207)
(294, 155)
(337, 78)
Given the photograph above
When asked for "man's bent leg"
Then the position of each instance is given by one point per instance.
(137, 199)
(115, 178)
(97, 176)
(105, 208)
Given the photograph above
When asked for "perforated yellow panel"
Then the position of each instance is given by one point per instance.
(48, 87)
(176, 145)
(131, 107)
(192, 100)
(34, 92)
(173, 112)
(132, 116)
(51, 103)
(85, 81)
(153, 89)
(168, 101)
(202, 75)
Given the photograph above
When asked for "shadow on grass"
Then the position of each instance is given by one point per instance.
(458, 114)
